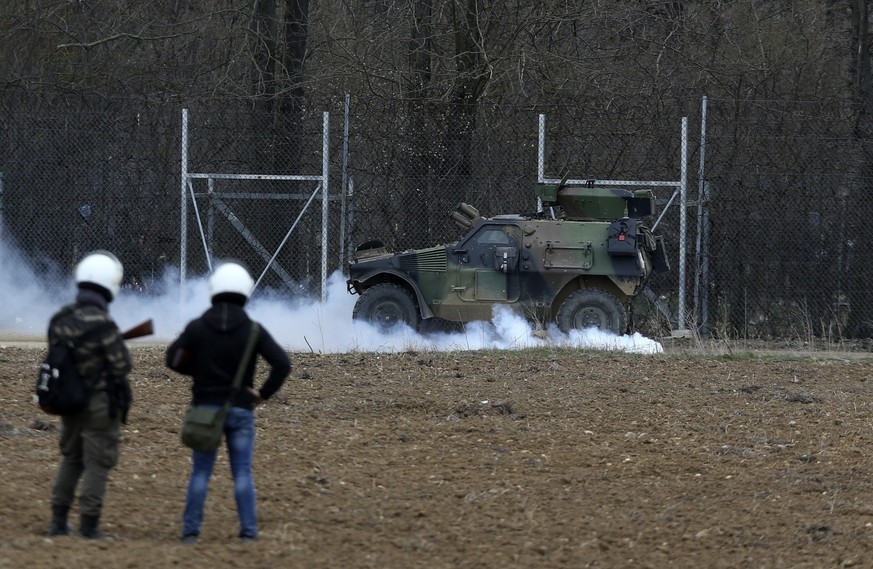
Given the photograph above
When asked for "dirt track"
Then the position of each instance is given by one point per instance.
(487, 459)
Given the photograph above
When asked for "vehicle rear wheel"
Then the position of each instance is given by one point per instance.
(385, 305)
(592, 307)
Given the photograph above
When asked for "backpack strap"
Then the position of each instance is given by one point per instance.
(254, 332)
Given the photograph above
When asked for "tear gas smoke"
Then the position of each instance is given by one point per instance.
(28, 298)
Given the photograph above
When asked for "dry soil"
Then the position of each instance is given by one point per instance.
(501, 459)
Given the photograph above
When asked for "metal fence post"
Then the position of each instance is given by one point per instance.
(541, 156)
(344, 183)
(683, 231)
(325, 167)
(700, 312)
(183, 207)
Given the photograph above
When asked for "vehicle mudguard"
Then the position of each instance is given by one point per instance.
(423, 308)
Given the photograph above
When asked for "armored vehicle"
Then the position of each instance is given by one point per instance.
(577, 263)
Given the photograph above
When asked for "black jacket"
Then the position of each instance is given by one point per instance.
(210, 349)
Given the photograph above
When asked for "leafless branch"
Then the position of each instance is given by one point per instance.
(114, 37)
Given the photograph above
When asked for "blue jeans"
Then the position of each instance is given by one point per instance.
(239, 430)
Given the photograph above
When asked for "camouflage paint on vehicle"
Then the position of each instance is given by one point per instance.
(586, 239)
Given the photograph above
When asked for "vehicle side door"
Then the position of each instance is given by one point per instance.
(488, 269)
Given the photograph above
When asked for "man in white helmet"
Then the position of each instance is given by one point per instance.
(210, 349)
(89, 439)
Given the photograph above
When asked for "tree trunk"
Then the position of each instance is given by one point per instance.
(470, 82)
(418, 163)
(291, 96)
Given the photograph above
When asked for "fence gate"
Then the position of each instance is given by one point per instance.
(680, 188)
(216, 204)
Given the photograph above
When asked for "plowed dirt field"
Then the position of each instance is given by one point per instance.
(502, 459)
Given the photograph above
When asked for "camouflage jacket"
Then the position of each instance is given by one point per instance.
(100, 352)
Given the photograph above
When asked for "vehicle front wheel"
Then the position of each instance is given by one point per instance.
(385, 305)
(592, 307)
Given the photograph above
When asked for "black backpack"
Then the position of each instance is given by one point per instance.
(60, 389)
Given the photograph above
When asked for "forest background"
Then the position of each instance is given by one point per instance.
(435, 102)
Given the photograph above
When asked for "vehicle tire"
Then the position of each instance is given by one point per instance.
(385, 305)
(592, 307)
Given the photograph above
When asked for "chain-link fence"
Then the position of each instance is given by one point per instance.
(790, 186)
(776, 251)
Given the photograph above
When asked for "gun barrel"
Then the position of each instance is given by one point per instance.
(142, 329)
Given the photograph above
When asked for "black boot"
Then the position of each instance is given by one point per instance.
(59, 524)
(88, 527)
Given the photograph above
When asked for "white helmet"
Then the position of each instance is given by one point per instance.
(231, 277)
(101, 268)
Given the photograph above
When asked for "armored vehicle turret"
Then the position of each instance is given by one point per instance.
(577, 263)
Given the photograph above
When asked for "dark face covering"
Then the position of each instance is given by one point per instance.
(91, 291)
(229, 298)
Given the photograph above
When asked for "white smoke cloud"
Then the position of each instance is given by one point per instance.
(28, 297)
(299, 324)
(326, 327)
